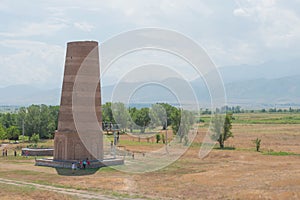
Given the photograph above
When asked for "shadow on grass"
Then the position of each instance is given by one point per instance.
(225, 148)
(78, 172)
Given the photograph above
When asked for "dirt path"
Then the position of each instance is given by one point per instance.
(73, 192)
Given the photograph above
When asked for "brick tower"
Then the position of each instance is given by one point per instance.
(81, 66)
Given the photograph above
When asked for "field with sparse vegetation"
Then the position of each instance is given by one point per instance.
(236, 172)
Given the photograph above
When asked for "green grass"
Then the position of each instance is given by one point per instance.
(30, 192)
(267, 118)
(19, 158)
(106, 170)
(261, 118)
(246, 149)
(137, 143)
(91, 189)
(65, 186)
(205, 118)
(127, 196)
(24, 172)
(280, 153)
(20, 189)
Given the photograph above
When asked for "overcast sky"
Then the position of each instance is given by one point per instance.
(33, 34)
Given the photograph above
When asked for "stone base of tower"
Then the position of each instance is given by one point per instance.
(69, 147)
(68, 163)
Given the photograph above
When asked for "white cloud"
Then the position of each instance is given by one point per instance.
(32, 62)
(84, 26)
(153, 13)
(233, 32)
(241, 12)
(276, 24)
(46, 28)
(133, 62)
(234, 52)
(276, 31)
(281, 28)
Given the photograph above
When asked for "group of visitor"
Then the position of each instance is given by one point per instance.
(116, 138)
(82, 164)
(5, 152)
(25, 153)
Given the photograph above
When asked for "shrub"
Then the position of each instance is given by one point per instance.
(35, 138)
(34, 146)
(221, 128)
(157, 138)
(186, 140)
(200, 121)
(163, 138)
(24, 138)
(257, 144)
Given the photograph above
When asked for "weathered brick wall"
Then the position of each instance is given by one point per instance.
(37, 152)
(67, 143)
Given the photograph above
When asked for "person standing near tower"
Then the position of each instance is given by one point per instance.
(84, 164)
(73, 168)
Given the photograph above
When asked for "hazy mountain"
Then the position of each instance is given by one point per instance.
(248, 86)
(169, 90)
(268, 70)
(253, 93)
(276, 91)
(26, 95)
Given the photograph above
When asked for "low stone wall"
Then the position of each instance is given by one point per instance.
(37, 152)
(52, 163)
(68, 164)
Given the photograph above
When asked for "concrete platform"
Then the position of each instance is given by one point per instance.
(37, 152)
(68, 164)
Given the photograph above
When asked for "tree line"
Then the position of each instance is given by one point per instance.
(160, 115)
(42, 120)
(238, 109)
(35, 119)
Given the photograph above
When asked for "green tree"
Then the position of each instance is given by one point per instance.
(169, 109)
(186, 123)
(175, 119)
(221, 128)
(13, 133)
(48, 120)
(121, 115)
(40, 119)
(131, 123)
(35, 138)
(141, 118)
(3, 134)
(32, 120)
(44, 121)
(8, 119)
(51, 127)
(158, 116)
(52, 120)
(107, 114)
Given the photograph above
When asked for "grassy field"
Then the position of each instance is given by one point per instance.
(267, 118)
(237, 172)
(262, 118)
(15, 192)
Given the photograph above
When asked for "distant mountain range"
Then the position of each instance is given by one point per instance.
(273, 83)
(256, 93)
(26, 95)
(268, 70)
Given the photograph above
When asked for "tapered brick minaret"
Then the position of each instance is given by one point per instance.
(81, 71)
